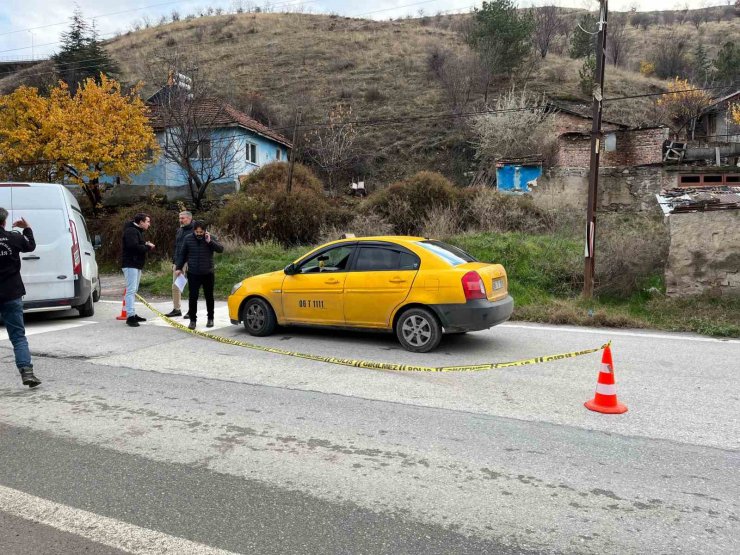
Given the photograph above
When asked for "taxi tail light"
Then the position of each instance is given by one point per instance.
(76, 257)
(473, 286)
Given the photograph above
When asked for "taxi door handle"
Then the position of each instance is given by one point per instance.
(397, 280)
(331, 281)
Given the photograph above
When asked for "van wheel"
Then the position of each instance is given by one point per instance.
(87, 309)
(258, 317)
(418, 330)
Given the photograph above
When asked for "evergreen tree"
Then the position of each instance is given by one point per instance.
(586, 76)
(702, 66)
(582, 42)
(728, 64)
(81, 55)
(501, 35)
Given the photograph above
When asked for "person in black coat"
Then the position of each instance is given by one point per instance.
(12, 291)
(134, 250)
(197, 252)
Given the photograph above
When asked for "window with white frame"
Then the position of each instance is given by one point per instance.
(251, 153)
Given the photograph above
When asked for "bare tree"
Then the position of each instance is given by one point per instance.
(332, 145)
(617, 41)
(520, 126)
(460, 75)
(547, 25)
(198, 135)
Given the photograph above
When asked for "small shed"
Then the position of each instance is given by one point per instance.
(518, 175)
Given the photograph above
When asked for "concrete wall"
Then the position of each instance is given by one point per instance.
(704, 253)
(628, 189)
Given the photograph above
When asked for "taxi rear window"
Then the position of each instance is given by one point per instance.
(446, 252)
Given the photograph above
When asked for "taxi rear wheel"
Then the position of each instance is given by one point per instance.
(258, 317)
(418, 330)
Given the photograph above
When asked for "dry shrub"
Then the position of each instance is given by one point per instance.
(273, 177)
(442, 222)
(405, 204)
(630, 249)
(291, 219)
(488, 210)
(245, 217)
(520, 127)
(161, 233)
(362, 225)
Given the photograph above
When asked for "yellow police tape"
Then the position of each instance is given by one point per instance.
(368, 363)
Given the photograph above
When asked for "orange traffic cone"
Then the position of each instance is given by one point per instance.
(605, 400)
(124, 315)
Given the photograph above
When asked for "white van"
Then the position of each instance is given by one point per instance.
(62, 272)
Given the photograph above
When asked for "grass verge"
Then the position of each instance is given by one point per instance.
(544, 279)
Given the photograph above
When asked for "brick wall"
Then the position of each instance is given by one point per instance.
(639, 147)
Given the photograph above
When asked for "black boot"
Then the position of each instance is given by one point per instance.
(209, 323)
(132, 321)
(28, 378)
(139, 318)
(174, 312)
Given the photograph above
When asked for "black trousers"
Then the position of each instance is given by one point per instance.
(195, 281)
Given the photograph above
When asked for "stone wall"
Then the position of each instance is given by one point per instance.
(704, 254)
(628, 189)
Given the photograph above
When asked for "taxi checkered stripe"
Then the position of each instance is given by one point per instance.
(367, 363)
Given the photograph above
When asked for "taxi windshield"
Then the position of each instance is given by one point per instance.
(446, 252)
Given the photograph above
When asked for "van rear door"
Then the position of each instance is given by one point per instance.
(48, 271)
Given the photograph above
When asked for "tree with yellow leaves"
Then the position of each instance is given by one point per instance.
(683, 104)
(735, 113)
(100, 130)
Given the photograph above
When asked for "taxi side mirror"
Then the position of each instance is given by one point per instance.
(290, 270)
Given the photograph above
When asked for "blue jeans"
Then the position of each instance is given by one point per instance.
(12, 313)
(133, 277)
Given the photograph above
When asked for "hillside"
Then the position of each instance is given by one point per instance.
(269, 63)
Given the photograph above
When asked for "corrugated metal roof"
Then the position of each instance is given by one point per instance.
(682, 199)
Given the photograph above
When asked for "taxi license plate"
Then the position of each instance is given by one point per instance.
(498, 284)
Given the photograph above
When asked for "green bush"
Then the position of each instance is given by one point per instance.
(291, 219)
(161, 232)
(405, 204)
(273, 177)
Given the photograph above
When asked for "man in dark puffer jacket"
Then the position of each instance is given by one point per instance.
(197, 251)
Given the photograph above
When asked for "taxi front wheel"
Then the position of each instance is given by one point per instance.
(418, 330)
(258, 317)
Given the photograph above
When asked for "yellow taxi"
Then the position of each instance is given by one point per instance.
(415, 287)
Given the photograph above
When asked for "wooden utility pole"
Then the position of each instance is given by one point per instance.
(593, 175)
(296, 122)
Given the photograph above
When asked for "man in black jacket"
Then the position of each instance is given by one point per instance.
(197, 251)
(134, 250)
(12, 291)
(186, 227)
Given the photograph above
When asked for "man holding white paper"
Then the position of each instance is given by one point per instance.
(197, 252)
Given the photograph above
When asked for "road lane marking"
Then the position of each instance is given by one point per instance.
(107, 531)
(35, 328)
(611, 331)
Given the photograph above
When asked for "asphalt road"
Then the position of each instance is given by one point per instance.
(150, 440)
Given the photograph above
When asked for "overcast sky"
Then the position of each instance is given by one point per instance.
(32, 27)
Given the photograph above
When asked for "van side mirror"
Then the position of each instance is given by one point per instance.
(290, 269)
(97, 242)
